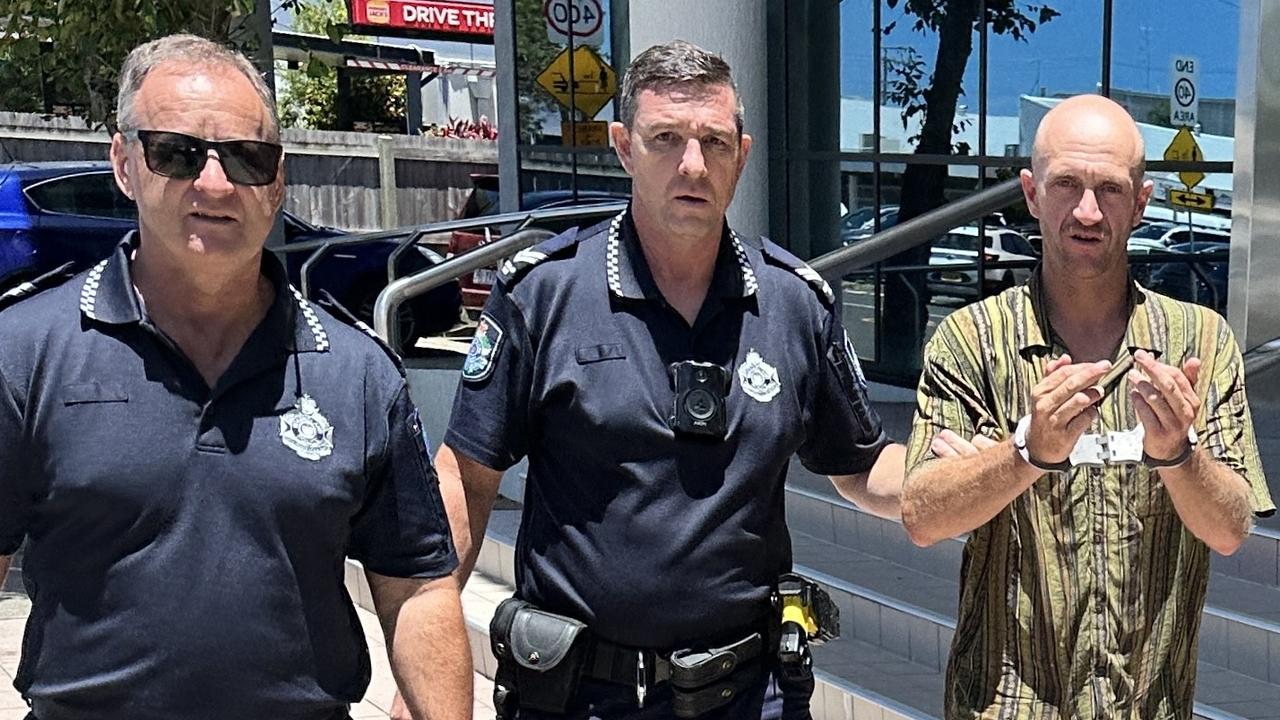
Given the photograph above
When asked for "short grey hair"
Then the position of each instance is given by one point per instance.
(193, 50)
(673, 64)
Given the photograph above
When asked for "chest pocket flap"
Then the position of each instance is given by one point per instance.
(93, 392)
(597, 353)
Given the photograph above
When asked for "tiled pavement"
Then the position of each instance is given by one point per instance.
(13, 615)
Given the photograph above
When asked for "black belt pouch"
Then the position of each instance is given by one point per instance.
(547, 651)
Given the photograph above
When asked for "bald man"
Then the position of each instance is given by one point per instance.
(1113, 449)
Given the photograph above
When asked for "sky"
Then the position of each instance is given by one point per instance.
(1064, 55)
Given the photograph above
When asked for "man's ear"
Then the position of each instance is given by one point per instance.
(1144, 197)
(621, 144)
(278, 187)
(744, 149)
(1029, 190)
(120, 165)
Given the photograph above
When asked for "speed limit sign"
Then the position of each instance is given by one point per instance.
(583, 18)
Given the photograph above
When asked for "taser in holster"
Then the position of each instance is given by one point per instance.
(808, 617)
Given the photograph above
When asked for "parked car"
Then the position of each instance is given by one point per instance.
(484, 201)
(1167, 233)
(1207, 287)
(959, 247)
(52, 213)
(860, 223)
(1144, 247)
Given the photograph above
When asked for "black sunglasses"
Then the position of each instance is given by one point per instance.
(245, 162)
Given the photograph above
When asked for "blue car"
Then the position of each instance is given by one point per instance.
(52, 213)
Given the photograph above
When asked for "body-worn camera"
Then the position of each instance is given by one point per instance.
(700, 392)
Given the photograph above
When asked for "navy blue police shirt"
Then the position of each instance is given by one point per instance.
(185, 545)
(657, 540)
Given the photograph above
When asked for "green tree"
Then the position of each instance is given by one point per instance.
(534, 52)
(69, 52)
(955, 22)
(1159, 115)
(308, 98)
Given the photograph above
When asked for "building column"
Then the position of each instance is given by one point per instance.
(735, 30)
(809, 95)
(1253, 296)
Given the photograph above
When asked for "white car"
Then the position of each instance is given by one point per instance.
(1167, 233)
(959, 247)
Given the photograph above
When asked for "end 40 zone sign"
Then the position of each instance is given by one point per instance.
(1184, 95)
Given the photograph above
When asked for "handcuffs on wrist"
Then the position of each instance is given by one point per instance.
(1101, 449)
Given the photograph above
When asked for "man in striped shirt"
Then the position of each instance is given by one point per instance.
(1113, 450)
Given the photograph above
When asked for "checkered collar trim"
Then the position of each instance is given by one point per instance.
(108, 296)
(309, 328)
(624, 277)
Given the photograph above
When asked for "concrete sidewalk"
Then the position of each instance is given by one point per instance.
(14, 608)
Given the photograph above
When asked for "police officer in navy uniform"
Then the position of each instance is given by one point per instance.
(659, 371)
(190, 449)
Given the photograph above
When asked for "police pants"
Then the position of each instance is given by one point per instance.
(772, 699)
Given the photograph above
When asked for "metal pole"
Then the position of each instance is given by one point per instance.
(387, 182)
(1107, 9)
(982, 91)
(508, 105)
(413, 102)
(573, 110)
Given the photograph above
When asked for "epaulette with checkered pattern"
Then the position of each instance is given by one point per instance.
(518, 265)
(777, 256)
(340, 312)
(24, 290)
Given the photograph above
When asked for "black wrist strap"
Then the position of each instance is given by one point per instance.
(1180, 458)
(1064, 466)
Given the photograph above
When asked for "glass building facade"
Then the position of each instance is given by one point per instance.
(880, 110)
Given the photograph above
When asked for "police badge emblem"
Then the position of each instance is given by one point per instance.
(483, 353)
(305, 431)
(758, 378)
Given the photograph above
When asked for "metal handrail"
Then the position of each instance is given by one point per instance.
(524, 217)
(395, 293)
(410, 234)
(839, 262)
(916, 231)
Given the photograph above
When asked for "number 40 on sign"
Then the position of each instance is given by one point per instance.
(583, 18)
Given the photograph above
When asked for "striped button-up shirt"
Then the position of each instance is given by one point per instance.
(1082, 598)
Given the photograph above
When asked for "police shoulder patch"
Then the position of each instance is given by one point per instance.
(777, 256)
(337, 310)
(482, 356)
(519, 265)
(24, 290)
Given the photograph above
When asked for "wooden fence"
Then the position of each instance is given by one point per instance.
(333, 177)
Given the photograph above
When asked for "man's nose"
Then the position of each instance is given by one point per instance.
(1087, 211)
(213, 177)
(693, 163)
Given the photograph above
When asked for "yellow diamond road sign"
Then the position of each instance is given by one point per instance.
(589, 87)
(1184, 147)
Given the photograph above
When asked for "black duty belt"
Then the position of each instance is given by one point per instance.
(711, 673)
(542, 656)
